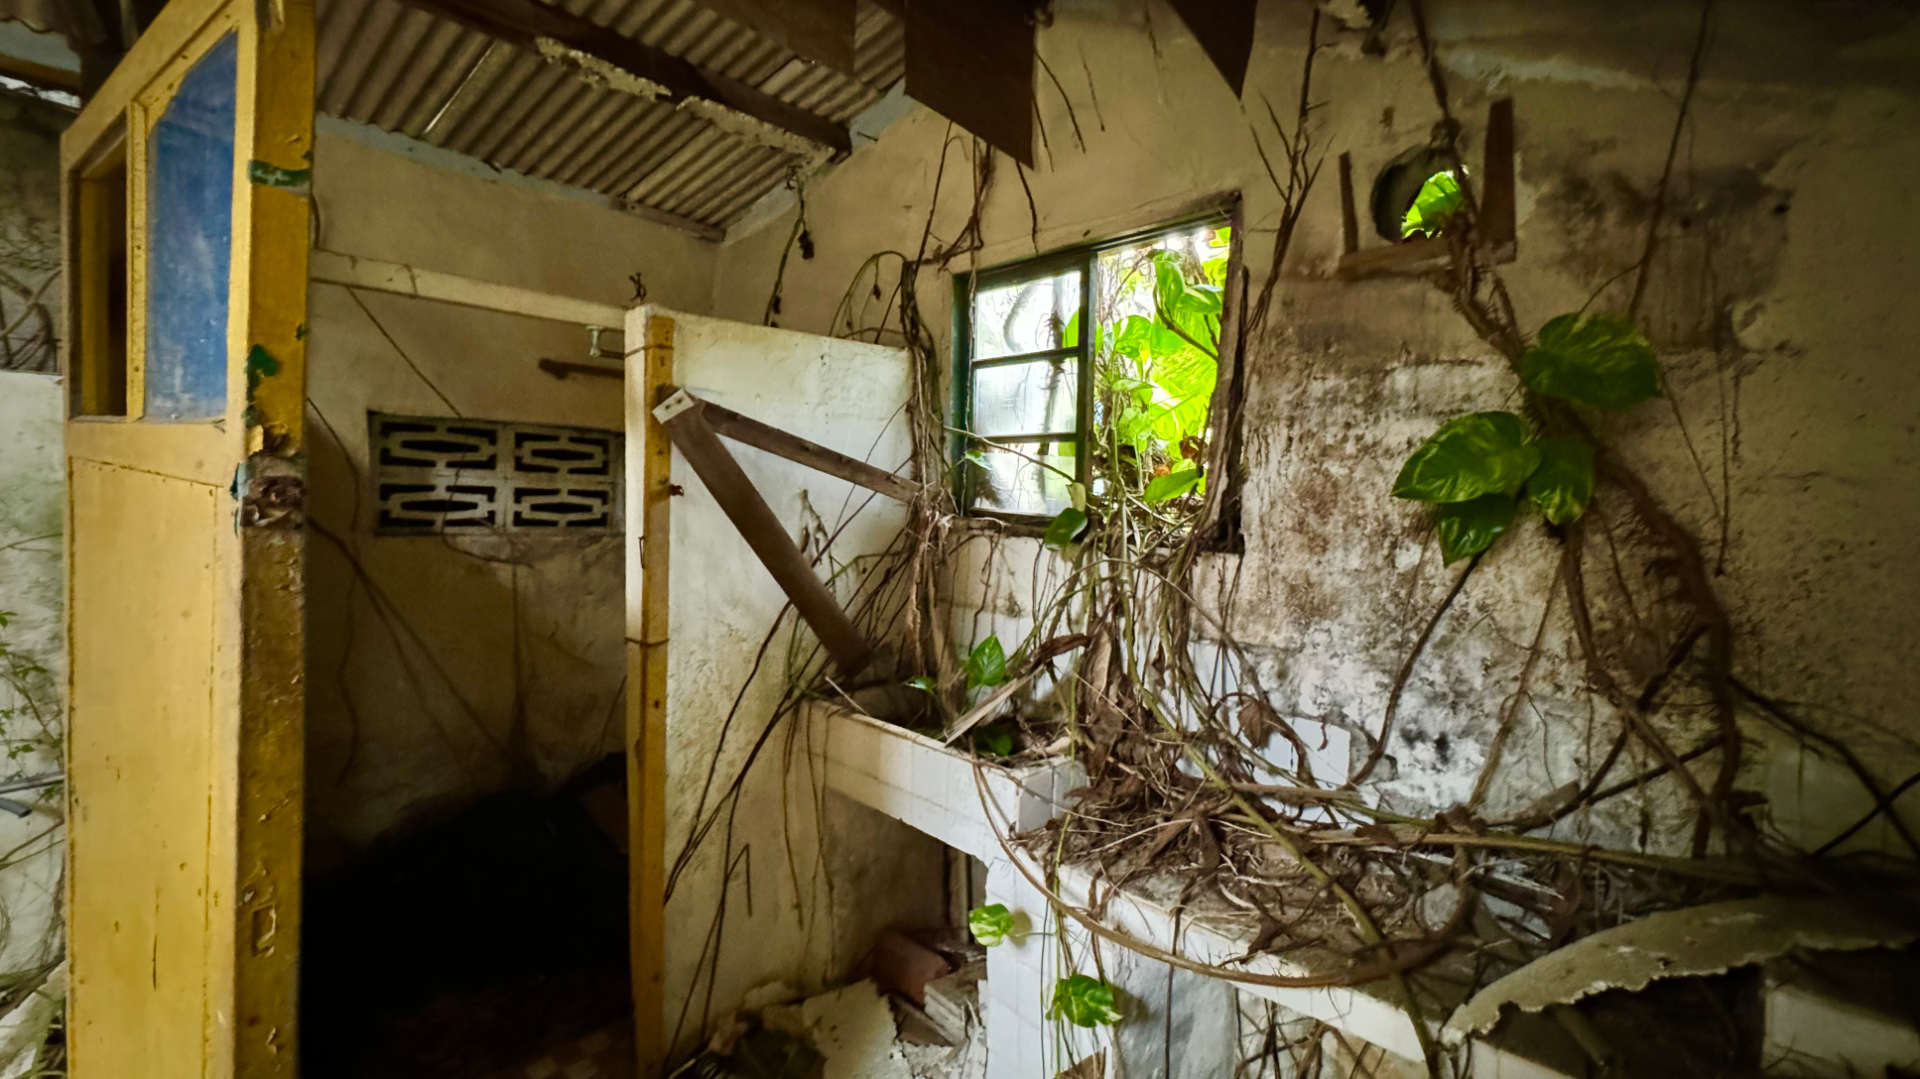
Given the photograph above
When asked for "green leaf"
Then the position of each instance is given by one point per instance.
(1172, 485)
(1469, 456)
(1083, 1001)
(924, 684)
(1467, 528)
(1070, 337)
(990, 924)
(1438, 200)
(1169, 284)
(994, 739)
(986, 665)
(1185, 374)
(1563, 484)
(1188, 306)
(1134, 337)
(1063, 529)
(1216, 271)
(1601, 362)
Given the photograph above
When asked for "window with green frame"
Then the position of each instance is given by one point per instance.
(1047, 413)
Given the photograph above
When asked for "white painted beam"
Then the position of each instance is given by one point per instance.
(334, 268)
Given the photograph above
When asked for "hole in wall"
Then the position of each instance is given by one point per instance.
(1415, 195)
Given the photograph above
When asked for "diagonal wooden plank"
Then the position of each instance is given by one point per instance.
(763, 436)
(681, 416)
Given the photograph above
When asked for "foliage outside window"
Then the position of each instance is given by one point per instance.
(1049, 414)
(1438, 199)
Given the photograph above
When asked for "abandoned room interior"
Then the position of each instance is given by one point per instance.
(992, 539)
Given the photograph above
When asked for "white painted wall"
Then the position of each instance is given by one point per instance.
(807, 879)
(497, 662)
(1774, 304)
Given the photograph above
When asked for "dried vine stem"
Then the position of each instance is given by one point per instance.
(1482, 299)
(1175, 748)
(1659, 209)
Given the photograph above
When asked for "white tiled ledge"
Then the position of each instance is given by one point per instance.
(916, 780)
(945, 794)
(937, 791)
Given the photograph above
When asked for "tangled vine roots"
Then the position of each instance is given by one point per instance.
(1169, 717)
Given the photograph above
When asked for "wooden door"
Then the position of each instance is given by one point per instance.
(186, 187)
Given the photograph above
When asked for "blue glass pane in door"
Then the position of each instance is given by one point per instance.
(189, 242)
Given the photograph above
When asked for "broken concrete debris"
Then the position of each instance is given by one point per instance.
(850, 1033)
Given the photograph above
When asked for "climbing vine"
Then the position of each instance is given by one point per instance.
(1475, 466)
(1194, 781)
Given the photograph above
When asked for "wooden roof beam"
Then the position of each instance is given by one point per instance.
(611, 59)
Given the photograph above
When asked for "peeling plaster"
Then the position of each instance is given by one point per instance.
(601, 72)
(1690, 943)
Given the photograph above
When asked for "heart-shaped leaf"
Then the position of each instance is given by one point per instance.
(1064, 528)
(986, 665)
(990, 924)
(1600, 361)
(1563, 484)
(1469, 456)
(1467, 528)
(1172, 485)
(1084, 1001)
(994, 740)
(1438, 200)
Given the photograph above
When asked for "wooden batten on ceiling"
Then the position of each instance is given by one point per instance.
(821, 30)
(612, 59)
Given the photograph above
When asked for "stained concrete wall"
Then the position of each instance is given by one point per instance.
(1786, 441)
(443, 668)
(30, 287)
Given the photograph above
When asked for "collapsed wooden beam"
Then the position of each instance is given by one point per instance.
(765, 436)
(611, 59)
(683, 417)
(762, 436)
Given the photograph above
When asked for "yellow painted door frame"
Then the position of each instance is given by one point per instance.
(185, 550)
(649, 379)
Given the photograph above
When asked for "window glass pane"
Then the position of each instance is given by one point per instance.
(1026, 398)
(1029, 316)
(190, 233)
(1012, 483)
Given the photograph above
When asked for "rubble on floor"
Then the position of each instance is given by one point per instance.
(854, 1032)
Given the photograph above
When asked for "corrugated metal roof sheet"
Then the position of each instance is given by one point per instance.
(387, 64)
